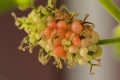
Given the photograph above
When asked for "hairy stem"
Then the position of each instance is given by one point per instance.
(111, 8)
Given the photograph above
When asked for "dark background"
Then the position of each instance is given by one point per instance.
(18, 65)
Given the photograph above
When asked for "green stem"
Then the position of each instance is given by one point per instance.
(108, 41)
(111, 8)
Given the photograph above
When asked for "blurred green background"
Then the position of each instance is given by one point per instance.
(6, 5)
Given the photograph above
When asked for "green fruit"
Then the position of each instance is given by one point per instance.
(98, 53)
(116, 33)
(23, 4)
(44, 11)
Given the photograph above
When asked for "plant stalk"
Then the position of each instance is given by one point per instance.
(108, 41)
(111, 8)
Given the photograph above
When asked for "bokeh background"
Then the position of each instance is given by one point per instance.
(18, 65)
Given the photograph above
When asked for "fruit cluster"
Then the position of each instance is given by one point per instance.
(61, 35)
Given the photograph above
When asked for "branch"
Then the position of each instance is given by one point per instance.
(111, 8)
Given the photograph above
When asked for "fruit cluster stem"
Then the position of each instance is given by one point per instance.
(108, 41)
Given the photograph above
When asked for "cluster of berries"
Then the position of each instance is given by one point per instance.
(60, 35)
